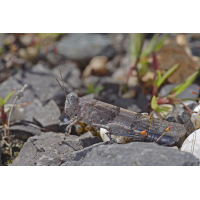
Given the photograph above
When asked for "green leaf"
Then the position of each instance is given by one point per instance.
(1, 101)
(175, 88)
(1, 50)
(191, 99)
(90, 88)
(188, 81)
(135, 45)
(158, 78)
(162, 109)
(169, 71)
(161, 42)
(8, 96)
(150, 47)
(142, 68)
(98, 89)
(154, 104)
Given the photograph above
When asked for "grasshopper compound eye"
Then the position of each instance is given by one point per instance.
(72, 97)
(70, 103)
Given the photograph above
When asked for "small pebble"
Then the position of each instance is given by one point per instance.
(192, 144)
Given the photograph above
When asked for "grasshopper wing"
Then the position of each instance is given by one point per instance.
(103, 113)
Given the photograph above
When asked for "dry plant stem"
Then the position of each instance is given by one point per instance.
(18, 95)
(160, 137)
(9, 145)
(150, 120)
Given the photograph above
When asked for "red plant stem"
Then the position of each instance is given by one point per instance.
(155, 67)
(163, 100)
(3, 115)
(155, 62)
(184, 105)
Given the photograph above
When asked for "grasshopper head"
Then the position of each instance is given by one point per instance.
(71, 103)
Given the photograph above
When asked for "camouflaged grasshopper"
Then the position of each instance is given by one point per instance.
(122, 122)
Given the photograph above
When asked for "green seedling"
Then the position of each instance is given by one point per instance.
(91, 89)
(160, 79)
(171, 98)
(154, 45)
(139, 55)
(180, 88)
(2, 103)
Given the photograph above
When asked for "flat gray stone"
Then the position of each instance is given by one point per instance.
(32, 109)
(48, 116)
(23, 132)
(77, 157)
(138, 154)
(46, 149)
(43, 84)
(12, 83)
(82, 47)
(71, 74)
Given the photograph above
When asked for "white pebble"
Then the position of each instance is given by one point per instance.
(192, 144)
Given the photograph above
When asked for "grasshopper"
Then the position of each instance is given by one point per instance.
(121, 122)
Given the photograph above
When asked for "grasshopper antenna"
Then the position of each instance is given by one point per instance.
(61, 87)
(62, 80)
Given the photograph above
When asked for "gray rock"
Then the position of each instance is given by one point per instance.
(126, 103)
(134, 108)
(12, 83)
(138, 154)
(187, 93)
(0, 155)
(88, 96)
(88, 139)
(53, 59)
(181, 116)
(189, 103)
(110, 86)
(48, 116)
(70, 73)
(46, 149)
(142, 101)
(2, 38)
(43, 84)
(32, 109)
(82, 47)
(77, 157)
(23, 132)
(194, 46)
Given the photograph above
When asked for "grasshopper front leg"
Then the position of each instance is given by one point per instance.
(68, 128)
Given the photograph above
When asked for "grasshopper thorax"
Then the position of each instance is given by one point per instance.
(70, 104)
